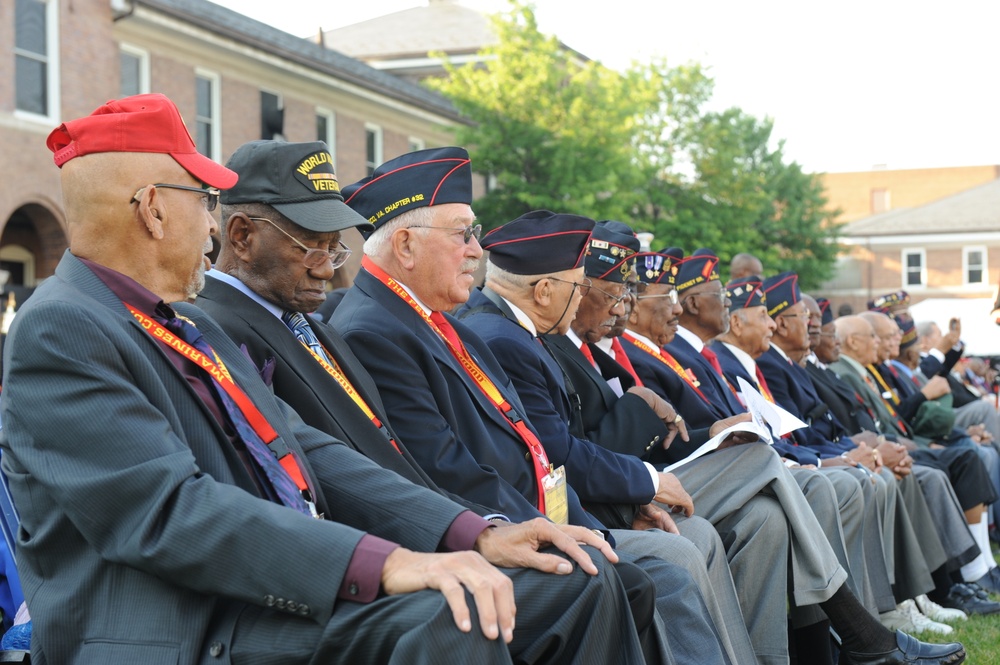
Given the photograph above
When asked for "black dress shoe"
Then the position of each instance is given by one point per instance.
(910, 650)
(991, 580)
(966, 598)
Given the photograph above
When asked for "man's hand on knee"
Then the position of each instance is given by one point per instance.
(517, 545)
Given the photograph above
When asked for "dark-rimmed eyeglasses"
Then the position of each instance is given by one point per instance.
(584, 286)
(671, 297)
(468, 233)
(211, 194)
(314, 257)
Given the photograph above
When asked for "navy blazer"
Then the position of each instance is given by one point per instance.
(715, 387)
(453, 431)
(793, 391)
(595, 472)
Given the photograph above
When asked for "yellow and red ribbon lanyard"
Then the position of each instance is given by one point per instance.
(872, 370)
(539, 459)
(888, 393)
(217, 370)
(333, 369)
(669, 361)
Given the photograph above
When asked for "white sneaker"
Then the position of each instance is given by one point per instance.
(922, 623)
(897, 619)
(934, 611)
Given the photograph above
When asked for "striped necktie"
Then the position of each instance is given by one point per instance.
(296, 322)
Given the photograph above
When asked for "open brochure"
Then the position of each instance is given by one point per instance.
(767, 420)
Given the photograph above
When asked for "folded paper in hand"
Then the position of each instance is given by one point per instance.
(767, 420)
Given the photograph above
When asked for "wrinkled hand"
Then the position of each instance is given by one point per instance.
(896, 458)
(673, 494)
(736, 438)
(654, 517)
(979, 434)
(866, 456)
(665, 411)
(517, 545)
(452, 573)
(936, 387)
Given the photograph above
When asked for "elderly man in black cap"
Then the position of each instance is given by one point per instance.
(534, 283)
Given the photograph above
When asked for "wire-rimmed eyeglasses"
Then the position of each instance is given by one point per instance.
(584, 286)
(314, 257)
(473, 230)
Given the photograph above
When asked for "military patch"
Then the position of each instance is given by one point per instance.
(317, 174)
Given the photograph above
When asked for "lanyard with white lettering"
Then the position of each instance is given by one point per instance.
(217, 370)
(539, 459)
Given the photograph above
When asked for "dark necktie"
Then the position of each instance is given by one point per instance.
(282, 484)
(296, 322)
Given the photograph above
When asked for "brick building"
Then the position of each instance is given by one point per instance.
(233, 78)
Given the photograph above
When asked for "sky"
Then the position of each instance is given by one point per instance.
(851, 85)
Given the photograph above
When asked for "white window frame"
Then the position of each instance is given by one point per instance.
(52, 63)
(414, 143)
(143, 56)
(331, 131)
(20, 254)
(906, 269)
(985, 265)
(216, 94)
(379, 157)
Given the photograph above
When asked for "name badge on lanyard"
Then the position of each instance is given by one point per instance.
(556, 502)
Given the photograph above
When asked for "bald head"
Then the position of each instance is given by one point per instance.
(744, 265)
(857, 339)
(887, 332)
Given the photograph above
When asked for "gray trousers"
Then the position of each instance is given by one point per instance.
(946, 517)
(770, 534)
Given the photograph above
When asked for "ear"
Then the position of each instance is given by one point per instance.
(542, 293)
(403, 243)
(633, 316)
(148, 211)
(690, 305)
(240, 236)
(735, 324)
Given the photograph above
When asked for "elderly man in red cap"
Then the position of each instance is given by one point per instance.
(172, 510)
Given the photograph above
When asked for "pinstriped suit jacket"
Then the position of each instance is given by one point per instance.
(142, 538)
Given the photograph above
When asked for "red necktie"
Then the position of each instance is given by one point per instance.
(763, 384)
(713, 359)
(442, 323)
(585, 350)
(623, 360)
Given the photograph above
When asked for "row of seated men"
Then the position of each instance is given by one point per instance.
(236, 478)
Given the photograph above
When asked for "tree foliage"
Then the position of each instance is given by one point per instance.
(561, 132)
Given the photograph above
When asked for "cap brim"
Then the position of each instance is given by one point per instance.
(324, 215)
(207, 171)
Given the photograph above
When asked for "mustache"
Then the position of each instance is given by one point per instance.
(469, 265)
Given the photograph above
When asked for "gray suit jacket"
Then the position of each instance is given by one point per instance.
(142, 537)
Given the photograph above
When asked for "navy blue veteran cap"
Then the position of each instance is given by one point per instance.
(655, 267)
(539, 242)
(422, 178)
(824, 309)
(746, 292)
(699, 268)
(782, 292)
(610, 253)
(886, 302)
(909, 331)
(296, 179)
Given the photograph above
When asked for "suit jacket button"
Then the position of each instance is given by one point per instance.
(353, 589)
(527, 456)
(291, 606)
(304, 610)
(215, 650)
(280, 603)
(269, 600)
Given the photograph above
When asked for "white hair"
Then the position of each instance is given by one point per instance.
(376, 242)
(513, 281)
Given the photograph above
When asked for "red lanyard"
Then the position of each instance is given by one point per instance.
(669, 361)
(539, 459)
(221, 376)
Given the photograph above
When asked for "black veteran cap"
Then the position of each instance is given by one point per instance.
(539, 242)
(885, 303)
(697, 269)
(655, 267)
(825, 310)
(746, 292)
(296, 179)
(422, 178)
(610, 253)
(909, 330)
(782, 292)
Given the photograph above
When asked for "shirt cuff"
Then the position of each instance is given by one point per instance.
(937, 354)
(654, 475)
(363, 577)
(463, 532)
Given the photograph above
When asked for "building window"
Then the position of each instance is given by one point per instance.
(974, 265)
(415, 144)
(36, 63)
(134, 76)
(326, 130)
(373, 147)
(914, 268)
(272, 117)
(207, 132)
(881, 201)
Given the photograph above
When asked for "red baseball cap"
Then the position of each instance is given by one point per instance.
(141, 123)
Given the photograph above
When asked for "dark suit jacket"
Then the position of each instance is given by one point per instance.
(456, 435)
(597, 474)
(713, 386)
(300, 381)
(848, 407)
(142, 538)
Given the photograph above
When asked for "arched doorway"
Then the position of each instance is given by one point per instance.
(31, 244)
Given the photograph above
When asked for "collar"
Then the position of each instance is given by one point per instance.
(902, 368)
(780, 351)
(745, 360)
(853, 364)
(605, 345)
(130, 291)
(645, 340)
(571, 336)
(427, 310)
(690, 338)
(238, 284)
(522, 318)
